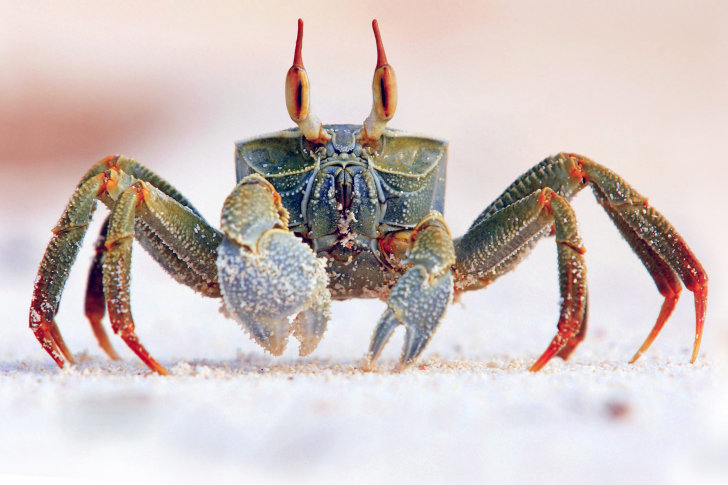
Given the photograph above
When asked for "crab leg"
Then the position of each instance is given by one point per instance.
(175, 247)
(172, 223)
(95, 306)
(667, 281)
(419, 299)
(267, 273)
(649, 233)
(499, 242)
(57, 260)
(484, 254)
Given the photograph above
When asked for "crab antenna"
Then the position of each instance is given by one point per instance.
(298, 101)
(384, 91)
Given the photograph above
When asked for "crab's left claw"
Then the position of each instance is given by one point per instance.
(419, 299)
(267, 274)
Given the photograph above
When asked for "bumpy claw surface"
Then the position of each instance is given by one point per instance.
(267, 274)
(419, 299)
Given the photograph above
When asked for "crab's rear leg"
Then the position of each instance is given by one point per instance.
(267, 274)
(419, 299)
(95, 304)
(176, 236)
(663, 251)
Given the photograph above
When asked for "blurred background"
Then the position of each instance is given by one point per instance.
(637, 86)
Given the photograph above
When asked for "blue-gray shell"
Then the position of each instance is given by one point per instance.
(410, 168)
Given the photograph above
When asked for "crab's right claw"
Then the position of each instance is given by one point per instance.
(420, 297)
(267, 274)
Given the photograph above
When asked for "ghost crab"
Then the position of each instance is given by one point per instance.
(346, 211)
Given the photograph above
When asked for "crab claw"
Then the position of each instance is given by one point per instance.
(267, 274)
(419, 304)
(419, 299)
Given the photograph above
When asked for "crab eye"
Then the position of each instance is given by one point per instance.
(384, 88)
(384, 85)
(298, 100)
(297, 86)
(297, 93)
(384, 91)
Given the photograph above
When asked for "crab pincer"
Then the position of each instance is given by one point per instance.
(419, 299)
(267, 274)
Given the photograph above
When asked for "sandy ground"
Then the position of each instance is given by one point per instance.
(637, 87)
(448, 421)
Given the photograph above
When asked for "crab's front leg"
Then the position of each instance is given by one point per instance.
(267, 274)
(419, 299)
(496, 245)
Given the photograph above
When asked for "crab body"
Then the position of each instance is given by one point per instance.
(344, 200)
(324, 212)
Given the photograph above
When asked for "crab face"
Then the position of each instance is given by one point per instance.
(344, 193)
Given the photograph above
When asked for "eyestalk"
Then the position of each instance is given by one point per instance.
(384, 91)
(298, 97)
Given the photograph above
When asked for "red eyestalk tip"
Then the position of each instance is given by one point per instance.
(381, 56)
(297, 59)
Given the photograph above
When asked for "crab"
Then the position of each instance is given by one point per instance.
(324, 212)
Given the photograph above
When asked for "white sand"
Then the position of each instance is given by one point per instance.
(448, 421)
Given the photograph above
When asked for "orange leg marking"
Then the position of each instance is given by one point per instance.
(567, 330)
(46, 331)
(43, 335)
(667, 307)
(131, 339)
(701, 306)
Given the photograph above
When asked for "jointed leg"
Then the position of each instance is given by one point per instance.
(175, 226)
(502, 235)
(500, 241)
(663, 251)
(117, 266)
(56, 263)
(173, 232)
(95, 307)
(572, 276)
(667, 281)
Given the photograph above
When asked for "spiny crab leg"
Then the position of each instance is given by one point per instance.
(663, 251)
(502, 235)
(500, 241)
(572, 272)
(168, 227)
